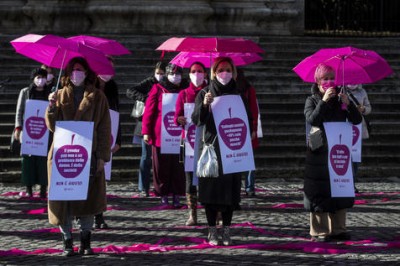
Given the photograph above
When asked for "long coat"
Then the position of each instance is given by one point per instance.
(224, 190)
(317, 191)
(93, 107)
(152, 116)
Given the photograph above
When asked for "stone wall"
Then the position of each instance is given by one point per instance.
(194, 17)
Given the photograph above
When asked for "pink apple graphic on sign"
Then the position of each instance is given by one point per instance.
(233, 132)
(191, 135)
(35, 126)
(170, 126)
(356, 134)
(71, 159)
(340, 157)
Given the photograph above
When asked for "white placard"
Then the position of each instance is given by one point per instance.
(35, 139)
(114, 115)
(170, 132)
(259, 125)
(234, 135)
(357, 143)
(339, 136)
(71, 160)
(190, 137)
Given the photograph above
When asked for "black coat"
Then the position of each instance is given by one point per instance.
(223, 191)
(317, 192)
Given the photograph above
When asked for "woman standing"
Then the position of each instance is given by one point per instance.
(79, 100)
(221, 194)
(140, 92)
(34, 169)
(197, 75)
(326, 104)
(168, 173)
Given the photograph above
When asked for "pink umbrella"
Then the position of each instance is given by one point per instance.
(107, 46)
(55, 51)
(186, 59)
(352, 65)
(212, 44)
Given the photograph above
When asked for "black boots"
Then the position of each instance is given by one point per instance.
(68, 247)
(29, 191)
(85, 248)
(99, 222)
(43, 193)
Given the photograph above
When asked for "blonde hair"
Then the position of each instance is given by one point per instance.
(219, 60)
(321, 71)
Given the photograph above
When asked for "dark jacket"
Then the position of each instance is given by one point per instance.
(317, 192)
(224, 191)
(111, 92)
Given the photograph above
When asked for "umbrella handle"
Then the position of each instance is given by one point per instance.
(59, 74)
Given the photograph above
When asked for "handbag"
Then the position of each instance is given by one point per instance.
(15, 145)
(316, 138)
(138, 109)
(207, 165)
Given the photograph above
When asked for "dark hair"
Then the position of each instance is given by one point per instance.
(172, 68)
(161, 65)
(90, 75)
(38, 72)
(200, 64)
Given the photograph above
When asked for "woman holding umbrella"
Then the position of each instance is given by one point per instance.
(326, 104)
(197, 75)
(220, 194)
(79, 100)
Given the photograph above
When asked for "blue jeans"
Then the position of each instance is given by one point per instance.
(249, 182)
(145, 168)
(85, 224)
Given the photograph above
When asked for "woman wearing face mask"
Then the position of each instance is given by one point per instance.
(79, 100)
(33, 168)
(360, 98)
(50, 80)
(168, 174)
(327, 214)
(221, 194)
(198, 75)
(140, 92)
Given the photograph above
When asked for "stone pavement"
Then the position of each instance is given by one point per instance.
(271, 229)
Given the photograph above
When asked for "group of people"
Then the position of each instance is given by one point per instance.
(84, 96)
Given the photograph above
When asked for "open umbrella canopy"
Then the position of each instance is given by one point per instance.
(55, 51)
(213, 44)
(107, 46)
(186, 59)
(352, 65)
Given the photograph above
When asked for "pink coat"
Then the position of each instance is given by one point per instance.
(151, 122)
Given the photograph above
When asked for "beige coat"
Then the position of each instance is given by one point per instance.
(93, 107)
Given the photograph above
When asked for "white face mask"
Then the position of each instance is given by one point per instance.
(352, 87)
(105, 78)
(77, 77)
(49, 78)
(175, 79)
(39, 82)
(224, 77)
(158, 77)
(197, 78)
